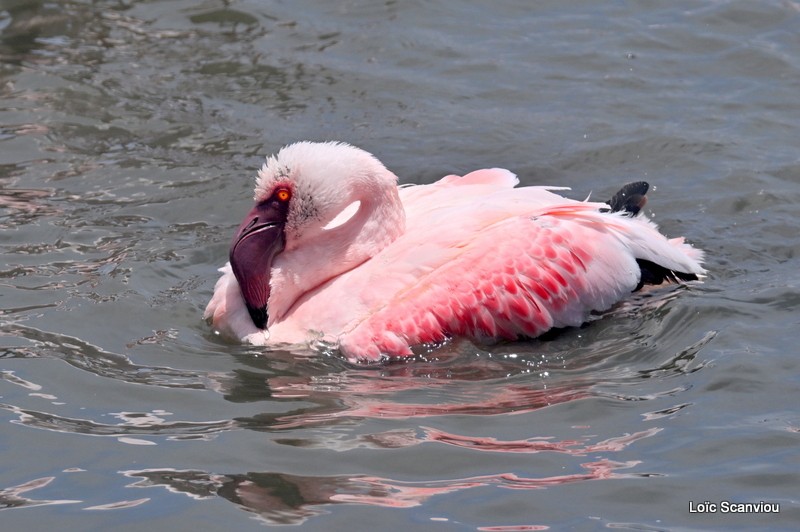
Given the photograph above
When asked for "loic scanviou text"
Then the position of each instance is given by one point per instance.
(728, 507)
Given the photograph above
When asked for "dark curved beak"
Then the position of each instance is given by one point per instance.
(259, 238)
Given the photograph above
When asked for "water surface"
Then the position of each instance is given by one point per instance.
(129, 136)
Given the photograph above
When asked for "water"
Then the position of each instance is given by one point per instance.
(130, 133)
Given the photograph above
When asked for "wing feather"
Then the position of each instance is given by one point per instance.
(521, 277)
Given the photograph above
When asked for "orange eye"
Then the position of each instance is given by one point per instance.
(283, 194)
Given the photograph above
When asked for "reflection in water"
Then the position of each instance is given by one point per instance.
(94, 359)
(468, 385)
(537, 445)
(280, 498)
(487, 398)
(321, 390)
(134, 424)
(119, 505)
(130, 130)
(12, 497)
(21, 205)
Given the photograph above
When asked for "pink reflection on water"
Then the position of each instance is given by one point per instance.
(409, 393)
(536, 445)
(395, 494)
(518, 528)
(349, 397)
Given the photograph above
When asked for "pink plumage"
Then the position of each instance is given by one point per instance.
(334, 251)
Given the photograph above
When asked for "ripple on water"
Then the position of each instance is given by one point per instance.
(455, 379)
(280, 498)
(131, 132)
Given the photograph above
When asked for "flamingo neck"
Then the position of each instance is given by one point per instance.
(313, 261)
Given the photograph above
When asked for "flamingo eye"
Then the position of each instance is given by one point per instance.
(283, 194)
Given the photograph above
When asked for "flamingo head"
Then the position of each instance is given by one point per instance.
(301, 194)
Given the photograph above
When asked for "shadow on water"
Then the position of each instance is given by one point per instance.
(608, 359)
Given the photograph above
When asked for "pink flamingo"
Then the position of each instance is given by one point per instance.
(335, 251)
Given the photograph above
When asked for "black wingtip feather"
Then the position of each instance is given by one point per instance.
(630, 199)
(654, 274)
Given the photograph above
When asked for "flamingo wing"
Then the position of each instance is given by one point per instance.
(517, 276)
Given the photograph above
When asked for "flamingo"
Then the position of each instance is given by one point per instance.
(334, 251)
